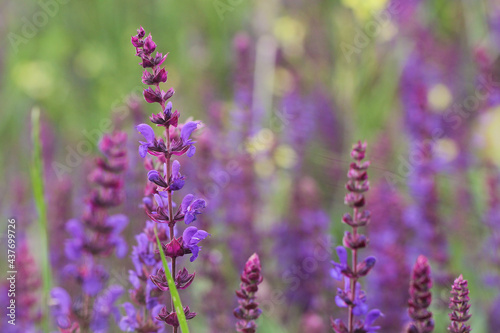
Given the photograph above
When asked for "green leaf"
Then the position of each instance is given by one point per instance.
(173, 289)
(37, 185)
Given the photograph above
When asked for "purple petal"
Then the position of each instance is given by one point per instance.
(92, 285)
(197, 205)
(75, 228)
(360, 309)
(191, 151)
(159, 201)
(340, 302)
(121, 247)
(186, 202)
(154, 176)
(176, 166)
(147, 132)
(372, 316)
(118, 222)
(342, 253)
(188, 233)
(188, 218)
(336, 274)
(134, 279)
(187, 129)
(143, 150)
(168, 109)
(62, 300)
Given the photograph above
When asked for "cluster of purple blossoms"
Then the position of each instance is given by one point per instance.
(95, 236)
(140, 315)
(352, 297)
(167, 179)
(248, 309)
(25, 312)
(492, 244)
(420, 298)
(389, 238)
(459, 304)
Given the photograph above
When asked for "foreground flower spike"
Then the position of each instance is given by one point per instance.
(352, 297)
(420, 298)
(459, 304)
(248, 309)
(165, 179)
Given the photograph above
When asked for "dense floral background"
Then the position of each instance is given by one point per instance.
(273, 95)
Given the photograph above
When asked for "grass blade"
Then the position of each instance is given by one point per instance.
(173, 290)
(37, 185)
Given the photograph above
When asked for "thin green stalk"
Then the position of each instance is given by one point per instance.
(37, 185)
(173, 289)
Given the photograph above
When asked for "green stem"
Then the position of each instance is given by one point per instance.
(176, 300)
(37, 184)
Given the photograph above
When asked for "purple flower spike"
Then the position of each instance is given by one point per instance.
(191, 207)
(352, 297)
(420, 298)
(248, 309)
(147, 291)
(191, 237)
(459, 304)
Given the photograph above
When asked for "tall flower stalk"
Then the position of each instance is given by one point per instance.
(459, 304)
(352, 297)
(177, 143)
(420, 298)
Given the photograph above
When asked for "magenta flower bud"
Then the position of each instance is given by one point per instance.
(354, 242)
(152, 96)
(358, 151)
(141, 33)
(136, 41)
(149, 45)
(171, 319)
(183, 279)
(166, 118)
(161, 76)
(365, 266)
(353, 199)
(174, 248)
